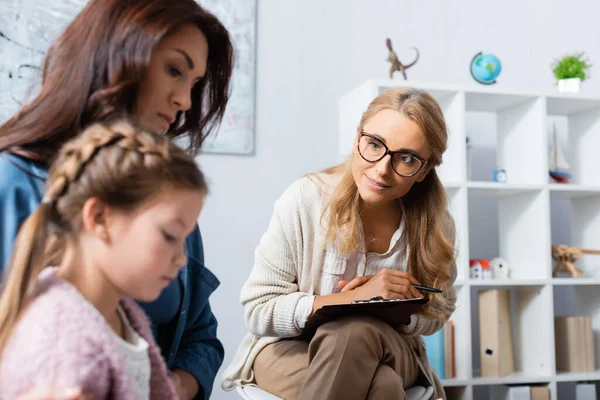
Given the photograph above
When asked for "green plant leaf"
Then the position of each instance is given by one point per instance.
(571, 66)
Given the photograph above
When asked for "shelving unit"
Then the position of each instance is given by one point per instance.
(518, 220)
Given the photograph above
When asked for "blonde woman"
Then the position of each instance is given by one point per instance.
(373, 226)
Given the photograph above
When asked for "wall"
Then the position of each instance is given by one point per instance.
(312, 51)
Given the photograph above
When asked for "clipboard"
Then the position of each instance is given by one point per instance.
(394, 312)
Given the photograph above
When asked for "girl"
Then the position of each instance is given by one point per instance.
(117, 208)
(373, 226)
(167, 65)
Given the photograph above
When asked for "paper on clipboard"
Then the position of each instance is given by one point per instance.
(394, 313)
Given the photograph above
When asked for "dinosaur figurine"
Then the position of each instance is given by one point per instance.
(566, 257)
(396, 64)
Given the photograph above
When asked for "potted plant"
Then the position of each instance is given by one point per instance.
(570, 70)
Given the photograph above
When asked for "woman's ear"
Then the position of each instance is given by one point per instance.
(95, 216)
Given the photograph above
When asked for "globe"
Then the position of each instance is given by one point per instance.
(485, 68)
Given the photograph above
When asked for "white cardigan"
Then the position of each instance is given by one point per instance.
(288, 266)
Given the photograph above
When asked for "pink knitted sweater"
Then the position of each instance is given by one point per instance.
(61, 341)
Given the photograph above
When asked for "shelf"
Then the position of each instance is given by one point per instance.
(578, 136)
(570, 191)
(566, 104)
(493, 102)
(577, 376)
(480, 188)
(452, 185)
(506, 132)
(575, 281)
(559, 100)
(530, 306)
(583, 300)
(508, 282)
(575, 221)
(518, 220)
(513, 379)
(501, 226)
(455, 382)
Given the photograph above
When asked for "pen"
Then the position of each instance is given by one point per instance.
(428, 289)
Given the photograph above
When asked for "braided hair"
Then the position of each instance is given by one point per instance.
(117, 163)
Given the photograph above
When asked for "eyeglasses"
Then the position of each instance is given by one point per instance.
(404, 163)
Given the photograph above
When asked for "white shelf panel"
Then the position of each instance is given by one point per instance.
(577, 376)
(516, 378)
(452, 185)
(508, 282)
(558, 103)
(476, 101)
(569, 191)
(499, 189)
(455, 382)
(575, 281)
(565, 103)
(558, 99)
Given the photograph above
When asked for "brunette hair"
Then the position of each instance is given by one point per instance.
(93, 71)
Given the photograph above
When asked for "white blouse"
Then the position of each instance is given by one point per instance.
(338, 267)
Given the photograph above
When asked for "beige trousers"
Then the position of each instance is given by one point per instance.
(350, 358)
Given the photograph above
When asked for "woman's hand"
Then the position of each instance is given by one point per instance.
(179, 389)
(53, 394)
(354, 283)
(186, 385)
(388, 283)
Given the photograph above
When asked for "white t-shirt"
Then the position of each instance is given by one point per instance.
(135, 353)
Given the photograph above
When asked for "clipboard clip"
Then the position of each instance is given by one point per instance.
(376, 299)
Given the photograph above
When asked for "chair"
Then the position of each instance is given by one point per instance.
(253, 392)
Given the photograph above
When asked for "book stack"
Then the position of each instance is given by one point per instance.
(574, 344)
(440, 351)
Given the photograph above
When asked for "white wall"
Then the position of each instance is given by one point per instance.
(312, 51)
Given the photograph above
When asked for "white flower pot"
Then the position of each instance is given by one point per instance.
(571, 85)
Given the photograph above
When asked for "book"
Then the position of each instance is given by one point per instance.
(574, 344)
(449, 360)
(496, 344)
(540, 393)
(434, 347)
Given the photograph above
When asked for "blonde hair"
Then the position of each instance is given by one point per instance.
(117, 163)
(429, 226)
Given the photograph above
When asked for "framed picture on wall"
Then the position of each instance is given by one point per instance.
(28, 27)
